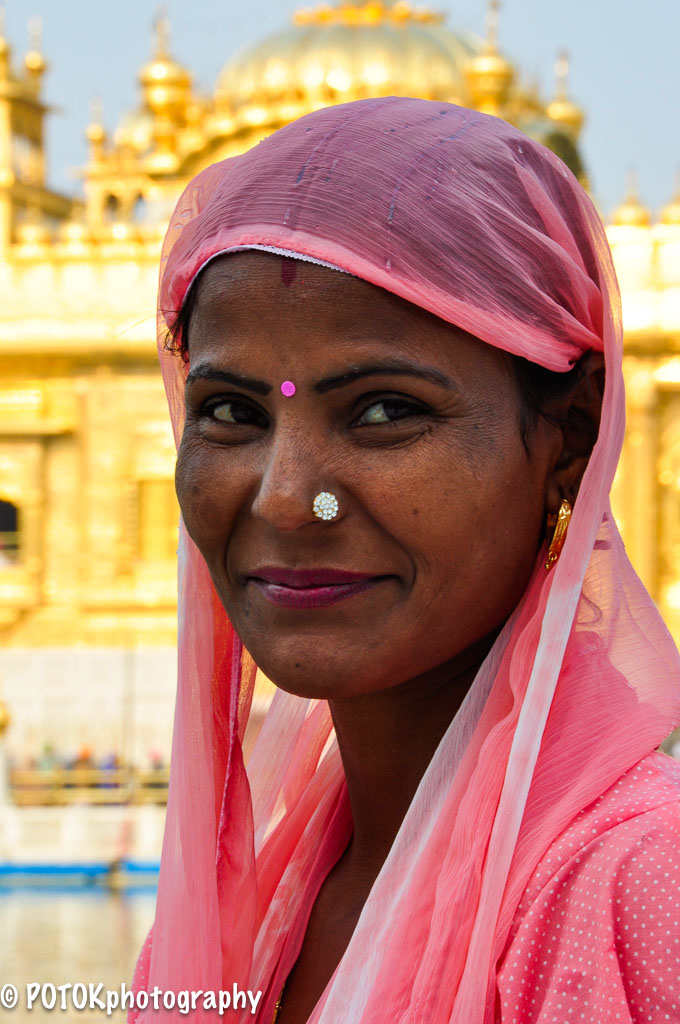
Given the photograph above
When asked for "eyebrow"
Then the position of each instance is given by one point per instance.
(226, 377)
(392, 366)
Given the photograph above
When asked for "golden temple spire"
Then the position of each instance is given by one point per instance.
(5, 49)
(95, 132)
(161, 35)
(562, 75)
(489, 74)
(166, 85)
(34, 62)
(632, 212)
(561, 109)
(671, 212)
(491, 21)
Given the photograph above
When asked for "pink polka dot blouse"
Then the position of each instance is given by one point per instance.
(596, 937)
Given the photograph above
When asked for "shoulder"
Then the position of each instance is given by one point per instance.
(599, 921)
(642, 808)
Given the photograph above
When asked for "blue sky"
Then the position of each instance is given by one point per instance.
(625, 68)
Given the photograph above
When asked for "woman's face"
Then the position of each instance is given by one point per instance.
(411, 423)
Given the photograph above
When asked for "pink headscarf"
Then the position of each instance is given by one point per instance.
(464, 216)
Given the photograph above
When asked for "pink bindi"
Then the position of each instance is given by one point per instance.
(288, 388)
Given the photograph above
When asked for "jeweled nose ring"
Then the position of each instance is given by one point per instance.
(325, 505)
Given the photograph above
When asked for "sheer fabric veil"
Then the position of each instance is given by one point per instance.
(466, 217)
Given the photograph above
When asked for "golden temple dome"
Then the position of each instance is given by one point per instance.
(346, 51)
(166, 85)
(333, 53)
(369, 12)
(632, 212)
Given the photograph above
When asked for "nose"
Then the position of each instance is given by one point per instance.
(291, 478)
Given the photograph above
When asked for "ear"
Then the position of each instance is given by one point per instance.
(578, 415)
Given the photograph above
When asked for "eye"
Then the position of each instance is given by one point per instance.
(232, 411)
(387, 410)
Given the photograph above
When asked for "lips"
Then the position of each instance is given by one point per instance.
(310, 588)
(308, 577)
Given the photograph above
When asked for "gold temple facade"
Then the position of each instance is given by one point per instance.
(88, 514)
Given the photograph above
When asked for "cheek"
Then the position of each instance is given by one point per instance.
(203, 495)
(475, 521)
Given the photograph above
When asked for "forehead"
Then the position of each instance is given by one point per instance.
(242, 293)
(250, 277)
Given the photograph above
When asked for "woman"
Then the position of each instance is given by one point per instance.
(400, 337)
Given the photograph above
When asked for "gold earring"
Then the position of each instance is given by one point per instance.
(559, 523)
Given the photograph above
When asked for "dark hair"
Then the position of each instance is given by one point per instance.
(177, 338)
(541, 391)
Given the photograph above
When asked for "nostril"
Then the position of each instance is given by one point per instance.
(284, 508)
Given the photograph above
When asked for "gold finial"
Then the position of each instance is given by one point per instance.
(561, 109)
(5, 51)
(161, 35)
(96, 133)
(632, 185)
(166, 85)
(96, 109)
(671, 213)
(561, 75)
(35, 28)
(632, 212)
(492, 15)
(489, 75)
(34, 62)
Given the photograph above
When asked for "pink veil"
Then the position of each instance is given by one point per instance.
(463, 215)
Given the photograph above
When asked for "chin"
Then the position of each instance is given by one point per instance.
(304, 689)
(301, 681)
(318, 679)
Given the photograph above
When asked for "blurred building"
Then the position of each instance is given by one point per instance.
(88, 514)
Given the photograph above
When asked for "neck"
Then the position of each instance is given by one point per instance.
(387, 740)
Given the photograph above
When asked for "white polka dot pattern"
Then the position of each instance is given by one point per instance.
(596, 937)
